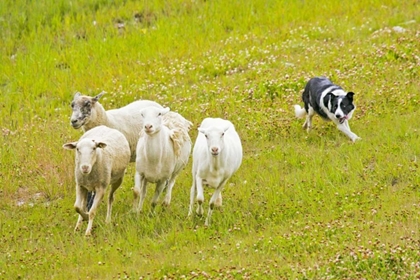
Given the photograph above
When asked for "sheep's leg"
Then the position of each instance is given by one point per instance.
(192, 197)
(80, 206)
(200, 195)
(78, 223)
(142, 192)
(139, 192)
(168, 195)
(114, 187)
(216, 196)
(136, 191)
(218, 201)
(99, 194)
(160, 186)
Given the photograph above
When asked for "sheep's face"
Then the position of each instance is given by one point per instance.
(86, 153)
(82, 109)
(152, 119)
(215, 139)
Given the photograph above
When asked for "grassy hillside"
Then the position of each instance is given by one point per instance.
(301, 206)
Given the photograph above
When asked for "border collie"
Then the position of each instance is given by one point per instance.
(329, 101)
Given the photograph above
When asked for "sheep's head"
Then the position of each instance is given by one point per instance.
(215, 138)
(86, 152)
(152, 119)
(82, 109)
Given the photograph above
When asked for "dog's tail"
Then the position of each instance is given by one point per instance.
(299, 111)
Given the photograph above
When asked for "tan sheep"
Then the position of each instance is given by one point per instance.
(102, 156)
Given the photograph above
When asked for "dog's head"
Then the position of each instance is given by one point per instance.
(341, 106)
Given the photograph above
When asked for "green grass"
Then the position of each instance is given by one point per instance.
(302, 206)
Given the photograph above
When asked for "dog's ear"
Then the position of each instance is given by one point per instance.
(327, 100)
(350, 95)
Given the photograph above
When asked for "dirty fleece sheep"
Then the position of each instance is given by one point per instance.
(102, 156)
(162, 152)
(89, 113)
(217, 155)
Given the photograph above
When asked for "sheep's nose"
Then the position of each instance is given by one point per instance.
(85, 168)
(215, 150)
(73, 121)
(148, 126)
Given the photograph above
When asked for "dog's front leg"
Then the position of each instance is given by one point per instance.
(345, 128)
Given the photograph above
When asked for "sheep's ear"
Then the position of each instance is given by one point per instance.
(165, 110)
(101, 145)
(70, 146)
(226, 128)
(77, 94)
(96, 98)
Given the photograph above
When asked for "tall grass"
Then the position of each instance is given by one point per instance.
(301, 205)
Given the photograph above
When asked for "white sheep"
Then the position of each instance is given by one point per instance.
(217, 155)
(162, 153)
(102, 156)
(89, 113)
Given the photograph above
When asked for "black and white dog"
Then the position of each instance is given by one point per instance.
(329, 101)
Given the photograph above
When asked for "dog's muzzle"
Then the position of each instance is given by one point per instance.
(343, 119)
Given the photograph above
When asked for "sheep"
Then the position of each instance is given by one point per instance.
(217, 155)
(89, 113)
(102, 156)
(162, 152)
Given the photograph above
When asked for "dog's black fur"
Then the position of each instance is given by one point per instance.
(328, 100)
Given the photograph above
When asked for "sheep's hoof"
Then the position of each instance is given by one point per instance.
(77, 227)
(190, 211)
(136, 210)
(164, 208)
(218, 202)
(200, 211)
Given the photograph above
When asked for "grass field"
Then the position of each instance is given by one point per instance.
(302, 206)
